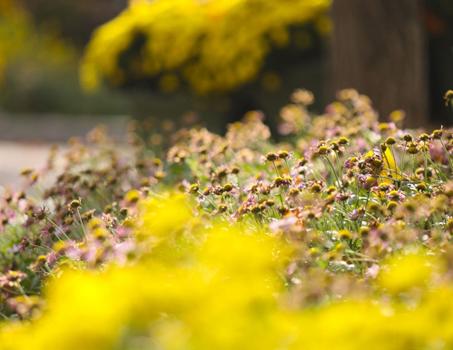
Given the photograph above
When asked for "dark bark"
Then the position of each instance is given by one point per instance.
(378, 47)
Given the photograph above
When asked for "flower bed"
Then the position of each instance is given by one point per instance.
(337, 237)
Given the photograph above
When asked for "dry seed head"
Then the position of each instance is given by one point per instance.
(271, 157)
(282, 181)
(421, 186)
(344, 234)
(221, 173)
(235, 170)
(283, 154)
(108, 208)
(316, 188)
(372, 206)
(88, 215)
(392, 205)
(377, 162)
(437, 134)
(390, 141)
(255, 209)
(41, 214)
(424, 137)
(334, 146)
(74, 204)
(157, 162)
(302, 161)
(26, 172)
(394, 195)
(383, 186)
(323, 150)
(331, 189)
(262, 206)
(194, 188)
(283, 210)
(343, 140)
(270, 203)
(293, 192)
(407, 137)
(412, 148)
(228, 187)
(206, 191)
(21, 195)
(364, 231)
(419, 171)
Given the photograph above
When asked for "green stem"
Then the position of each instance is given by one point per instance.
(340, 184)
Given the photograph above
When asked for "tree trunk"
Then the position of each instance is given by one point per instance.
(378, 48)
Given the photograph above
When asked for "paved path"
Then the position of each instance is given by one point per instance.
(16, 156)
(56, 128)
(25, 140)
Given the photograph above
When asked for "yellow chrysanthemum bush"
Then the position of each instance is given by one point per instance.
(183, 285)
(209, 284)
(213, 45)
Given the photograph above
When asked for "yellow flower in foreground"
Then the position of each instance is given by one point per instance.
(223, 289)
(213, 294)
(402, 273)
(164, 216)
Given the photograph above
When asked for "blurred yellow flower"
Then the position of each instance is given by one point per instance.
(225, 290)
(404, 272)
(214, 45)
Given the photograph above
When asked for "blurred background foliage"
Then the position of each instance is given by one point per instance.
(39, 65)
(121, 48)
(31, 85)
